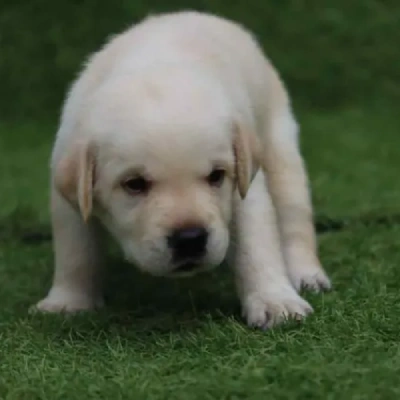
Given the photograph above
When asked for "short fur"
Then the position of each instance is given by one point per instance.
(172, 98)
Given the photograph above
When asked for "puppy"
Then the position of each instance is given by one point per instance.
(179, 138)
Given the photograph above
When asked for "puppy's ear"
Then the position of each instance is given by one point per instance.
(74, 178)
(246, 149)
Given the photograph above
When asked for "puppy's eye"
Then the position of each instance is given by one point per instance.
(135, 186)
(216, 177)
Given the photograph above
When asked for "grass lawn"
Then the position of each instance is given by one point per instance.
(160, 339)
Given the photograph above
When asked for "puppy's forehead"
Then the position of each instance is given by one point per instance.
(163, 123)
(163, 151)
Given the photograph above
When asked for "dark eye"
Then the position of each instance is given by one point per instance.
(138, 185)
(216, 177)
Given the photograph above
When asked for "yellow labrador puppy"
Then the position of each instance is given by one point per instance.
(179, 138)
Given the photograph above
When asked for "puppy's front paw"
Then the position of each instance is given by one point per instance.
(270, 308)
(309, 277)
(65, 302)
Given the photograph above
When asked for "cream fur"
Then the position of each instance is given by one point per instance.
(172, 97)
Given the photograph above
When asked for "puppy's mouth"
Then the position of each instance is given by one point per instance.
(188, 268)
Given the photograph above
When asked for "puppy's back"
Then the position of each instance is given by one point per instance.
(190, 41)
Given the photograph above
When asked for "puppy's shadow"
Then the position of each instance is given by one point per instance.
(138, 306)
(167, 303)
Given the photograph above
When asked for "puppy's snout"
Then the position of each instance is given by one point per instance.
(188, 243)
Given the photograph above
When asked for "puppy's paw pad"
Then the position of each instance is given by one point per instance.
(270, 309)
(311, 278)
(53, 304)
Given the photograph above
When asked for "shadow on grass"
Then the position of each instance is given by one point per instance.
(139, 306)
(22, 226)
(134, 300)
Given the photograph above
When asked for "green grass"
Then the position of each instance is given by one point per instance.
(330, 52)
(162, 339)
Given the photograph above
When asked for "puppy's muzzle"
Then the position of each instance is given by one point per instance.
(188, 245)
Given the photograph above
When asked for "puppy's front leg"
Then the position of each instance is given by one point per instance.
(76, 283)
(266, 294)
(288, 184)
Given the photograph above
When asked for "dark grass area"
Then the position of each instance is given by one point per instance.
(162, 339)
(331, 53)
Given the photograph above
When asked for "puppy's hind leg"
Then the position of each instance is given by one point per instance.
(288, 184)
(76, 282)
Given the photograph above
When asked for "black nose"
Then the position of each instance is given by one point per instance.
(187, 243)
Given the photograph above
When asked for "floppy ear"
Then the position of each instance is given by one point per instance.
(247, 158)
(74, 178)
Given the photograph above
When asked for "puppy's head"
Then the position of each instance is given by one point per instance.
(163, 185)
